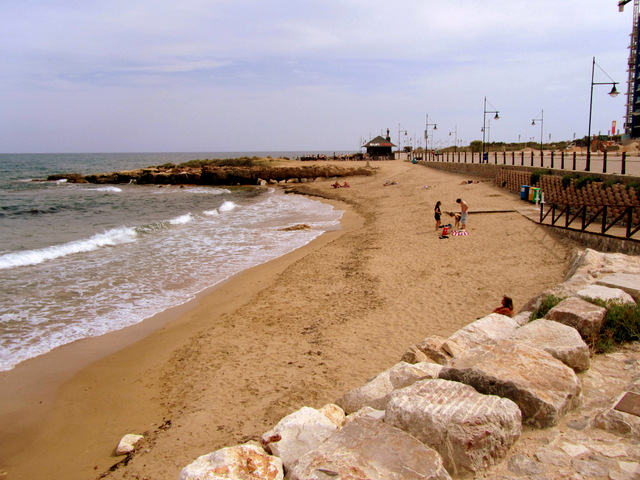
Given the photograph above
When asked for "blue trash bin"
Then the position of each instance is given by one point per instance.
(524, 192)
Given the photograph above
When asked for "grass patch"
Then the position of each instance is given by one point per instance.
(547, 304)
(621, 325)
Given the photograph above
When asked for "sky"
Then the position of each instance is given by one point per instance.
(257, 75)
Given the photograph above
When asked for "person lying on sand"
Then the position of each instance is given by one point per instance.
(467, 182)
(389, 182)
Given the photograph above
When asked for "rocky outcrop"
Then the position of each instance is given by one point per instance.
(584, 316)
(219, 175)
(485, 330)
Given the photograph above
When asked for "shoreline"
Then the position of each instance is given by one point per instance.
(299, 330)
(29, 390)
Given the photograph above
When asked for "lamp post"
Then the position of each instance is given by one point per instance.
(400, 138)
(613, 93)
(455, 137)
(541, 120)
(426, 132)
(484, 122)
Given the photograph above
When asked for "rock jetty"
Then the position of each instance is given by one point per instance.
(218, 175)
(470, 405)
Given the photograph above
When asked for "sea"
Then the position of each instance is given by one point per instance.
(82, 260)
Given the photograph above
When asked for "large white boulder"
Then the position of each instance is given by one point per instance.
(298, 433)
(542, 386)
(600, 292)
(488, 329)
(375, 393)
(561, 341)
(584, 316)
(469, 430)
(242, 462)
(368, 449)
(128, 443)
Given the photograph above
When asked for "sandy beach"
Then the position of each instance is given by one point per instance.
(300, 330)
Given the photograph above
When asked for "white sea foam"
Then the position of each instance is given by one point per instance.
(107, 189)
(227, 206)
(182, 219)
(34, 257)
(211, 213)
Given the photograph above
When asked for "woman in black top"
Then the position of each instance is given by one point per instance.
(437, 214)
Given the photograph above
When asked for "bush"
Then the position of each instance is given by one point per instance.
(547, 304)
(583, 181)
(621, 324)
(566, 179)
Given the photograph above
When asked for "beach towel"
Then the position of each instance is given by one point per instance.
(459, 232)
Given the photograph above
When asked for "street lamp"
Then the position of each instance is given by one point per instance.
(484, 122)
(426, 132)
(399, 138)
(541, 120)
(455, 137)
(613, 93)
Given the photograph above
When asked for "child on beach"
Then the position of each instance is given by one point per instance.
(437, 213)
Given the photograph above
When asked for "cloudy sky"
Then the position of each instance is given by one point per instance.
(257, 75)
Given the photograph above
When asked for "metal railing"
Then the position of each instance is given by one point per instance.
(606, 162)
(568, 214)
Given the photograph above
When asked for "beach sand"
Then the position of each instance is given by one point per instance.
(300, 330)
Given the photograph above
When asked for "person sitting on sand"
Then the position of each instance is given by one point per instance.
(336, 185)
(346, 185)
(506, 308)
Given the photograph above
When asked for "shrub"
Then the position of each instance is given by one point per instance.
(566, 179)
(621, 324)
(548, 302)
(583, 181)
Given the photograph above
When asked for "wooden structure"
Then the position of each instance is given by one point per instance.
(380, 148)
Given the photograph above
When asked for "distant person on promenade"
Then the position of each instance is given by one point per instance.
(464, 208)
(437, 212)
(506, 308)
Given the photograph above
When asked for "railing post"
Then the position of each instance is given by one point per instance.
(532, 158)
(623, 168)
(495, 158)
(522, 158)
(604, 217)
(551, 158)
(541, 159)
(574, 161)
(513, 157)
(604, 161)
(562, 160)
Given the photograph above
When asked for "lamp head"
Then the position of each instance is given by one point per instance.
(435, 127)
(614, 91)
(533, 122)
(497, 117)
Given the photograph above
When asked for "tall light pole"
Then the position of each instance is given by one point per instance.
(455, 137)
(399, 138)
(613, 93)
(541, 120)
(484, 122)
(426, 132)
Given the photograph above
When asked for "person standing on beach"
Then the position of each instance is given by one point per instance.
(437, 213)
(465, 209)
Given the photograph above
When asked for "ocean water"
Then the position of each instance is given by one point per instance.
(81, 260)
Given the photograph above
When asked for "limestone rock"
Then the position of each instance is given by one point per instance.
(242, 462)
(485, 330)
(561, 341)
(585, 317)
(128, 443)
(568, 288)
(334, 413)
(429, 349)
(298, 433)
(601, 292)
(522, 318)
(367, 449)
(543, 387)
(620, 423)
(366, 411)
(628, 282)
(375, 393)
(469, 430)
